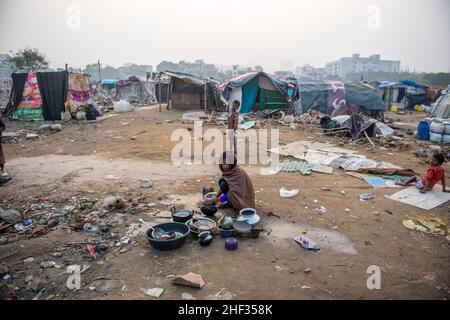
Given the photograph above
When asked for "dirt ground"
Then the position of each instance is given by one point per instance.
(61, 168)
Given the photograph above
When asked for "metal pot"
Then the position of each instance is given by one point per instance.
(249, 215)
(225, 222)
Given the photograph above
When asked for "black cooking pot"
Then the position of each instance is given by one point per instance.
(208, 210)
(170, 244)
(182, 215)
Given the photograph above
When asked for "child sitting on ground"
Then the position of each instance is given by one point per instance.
(434, 174)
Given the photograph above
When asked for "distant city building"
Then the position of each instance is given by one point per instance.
(131, 69)
(284, 74)
(198, 68)
(308, 72)
(287, 65)
(355, 64)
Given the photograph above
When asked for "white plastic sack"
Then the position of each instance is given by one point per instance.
(285, 193)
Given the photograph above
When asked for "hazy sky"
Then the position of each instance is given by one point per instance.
(225, 32)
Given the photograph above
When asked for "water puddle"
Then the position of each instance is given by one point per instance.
(325, 239)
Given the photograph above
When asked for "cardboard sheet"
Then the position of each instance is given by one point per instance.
(426, 201)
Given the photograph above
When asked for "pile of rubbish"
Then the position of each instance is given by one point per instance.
(34, 131)
(324, 157)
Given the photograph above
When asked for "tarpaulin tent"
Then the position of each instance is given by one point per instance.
(257, 91)
(441, 109)
(133, 89)
(328, 97)
(109, 83)
(189, 91)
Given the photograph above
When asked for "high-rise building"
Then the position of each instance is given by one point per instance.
(355, 64)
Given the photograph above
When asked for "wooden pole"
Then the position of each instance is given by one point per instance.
(367, 136)
(159, 89)
(206, 97)
(169, 89)
(99, 72)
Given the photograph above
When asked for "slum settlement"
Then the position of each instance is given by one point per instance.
(90, 188)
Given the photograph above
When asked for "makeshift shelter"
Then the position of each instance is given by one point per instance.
(336, 97)
(258, 91)
(5, 91)
(109, 84)
(133, 90)
(441, 109)
(37, 95)
(30, 105)
(188, 91)
(406, 94)
(164, 90)
(79, 94)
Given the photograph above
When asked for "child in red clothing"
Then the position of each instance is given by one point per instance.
(434, 174)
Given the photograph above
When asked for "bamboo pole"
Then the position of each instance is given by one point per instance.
(159, 89)
(371, 142)
(206, 98)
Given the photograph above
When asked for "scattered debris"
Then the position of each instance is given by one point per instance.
(190, 279)
(146, 183)
(10, 216)
(367, 196)
(187, 296)
(307, 243)
(321, 210)
(427, 224)
(28, 260)
(48, 264)
(155, 292)
(285, 193)
(111, 203)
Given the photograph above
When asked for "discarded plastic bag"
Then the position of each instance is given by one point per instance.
(285, 193)
(367, 196)
(306, 243)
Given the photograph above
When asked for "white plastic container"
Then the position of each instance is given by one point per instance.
(122, 106)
